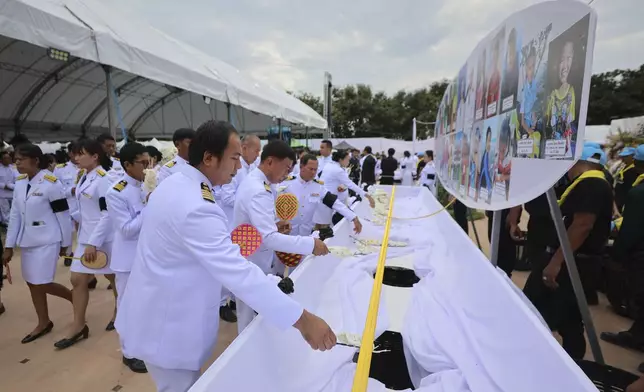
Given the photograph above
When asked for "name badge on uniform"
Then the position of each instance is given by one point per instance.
(314, 198)
(87, 195)
(36, 194)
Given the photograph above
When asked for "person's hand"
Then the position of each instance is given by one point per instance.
(63, 251)
(90, 254)
(284, 227)
(372, 202)
(515, 232)
(315, 331)
(550, 274)
(320, 249)
(7, 255)
(357, 226)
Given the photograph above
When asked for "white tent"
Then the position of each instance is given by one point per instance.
(161, 84)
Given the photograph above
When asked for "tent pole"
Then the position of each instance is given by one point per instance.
(494, 238)
(110, 100)
(573, 272)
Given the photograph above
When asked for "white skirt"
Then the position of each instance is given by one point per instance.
(38, 263)
(77, 266)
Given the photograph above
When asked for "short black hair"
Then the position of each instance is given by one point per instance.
(183, 133)
(355, 150)
(50, 158)
(70, 146)
(306, 158)
(103, 137)
(3, 152)
(339, 155)
(61, 156)
(19, 139)
(407, 154)
(278, 149)
(368, 149)
(430, 153)
(391, 152)
(327, 142)
(32, 151)
(211, 136)
(130, 151)
(154, 153)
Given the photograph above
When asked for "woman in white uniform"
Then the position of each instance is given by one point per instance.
(95, 233)
(428, 174)
(39, 225)
(336, 181)
(407, 166)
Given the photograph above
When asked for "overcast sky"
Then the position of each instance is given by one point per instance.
(390, 45)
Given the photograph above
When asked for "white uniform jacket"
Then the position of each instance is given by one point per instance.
(255, 204)
(39, 213)
(94, 225)
(428, 177)
(170, 168)
(67, 174)
(322, 162)
(336, 178)
(311, 195)
(125, 203)
(8, 176)
(169, 314)
(228, 191)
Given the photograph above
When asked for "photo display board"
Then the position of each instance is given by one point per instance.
(511, 123)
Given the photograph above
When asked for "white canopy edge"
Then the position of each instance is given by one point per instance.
(90, 30)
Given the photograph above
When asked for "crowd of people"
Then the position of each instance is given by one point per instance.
(166, 248)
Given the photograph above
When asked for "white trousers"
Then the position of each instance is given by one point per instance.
(172, 380)
(5, 210)
(121, 283)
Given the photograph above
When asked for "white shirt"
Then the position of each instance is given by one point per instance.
(125, 202)
(408, 165)
(255, 204)
(334, 177)
(228, 191)
(311, 195)
(67, 174)
(322, 162)
(8, 176)
(39, 213)
(90, 194)
(170, 168)
(428, 176)
(169, 314)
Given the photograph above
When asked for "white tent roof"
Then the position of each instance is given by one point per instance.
(153, 71)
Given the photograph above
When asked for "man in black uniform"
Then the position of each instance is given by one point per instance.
(629, 251)
(586, 206)
(625, 177)
(388, 167)
(368, 168)
(354, 165)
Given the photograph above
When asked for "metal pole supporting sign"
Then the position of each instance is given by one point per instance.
(494, 238)
(569, 257)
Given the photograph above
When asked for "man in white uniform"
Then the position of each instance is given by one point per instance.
(251, 147)
(67, 174)
(168, 315)
(181, 139)
(125, 203)
(428, 174)
(109, 146)
(326, 148)
(255, 205)
(8, 176)
(311, 193)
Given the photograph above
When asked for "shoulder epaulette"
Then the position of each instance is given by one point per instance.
(119, 186)
(50, 177)
(170, 164)
(100, 172)
(290, 178)
(206, 193)
(21, 177)
(267, 186)
(60, 165)
(318, 181)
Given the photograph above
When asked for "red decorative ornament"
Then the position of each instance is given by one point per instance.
(289, 259)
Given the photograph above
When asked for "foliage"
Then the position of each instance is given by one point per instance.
(358, 111)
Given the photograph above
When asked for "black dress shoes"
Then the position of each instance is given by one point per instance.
(135, 365)
(227, 314)
(110, 326)
(65, 343)
(30, 338)
(623, 339)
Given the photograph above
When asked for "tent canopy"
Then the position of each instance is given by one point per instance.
(343, 145)
(161, 84)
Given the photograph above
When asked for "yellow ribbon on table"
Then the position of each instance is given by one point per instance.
(368, 335)
(583, 176)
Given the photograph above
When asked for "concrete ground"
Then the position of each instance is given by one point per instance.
(95, 364)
